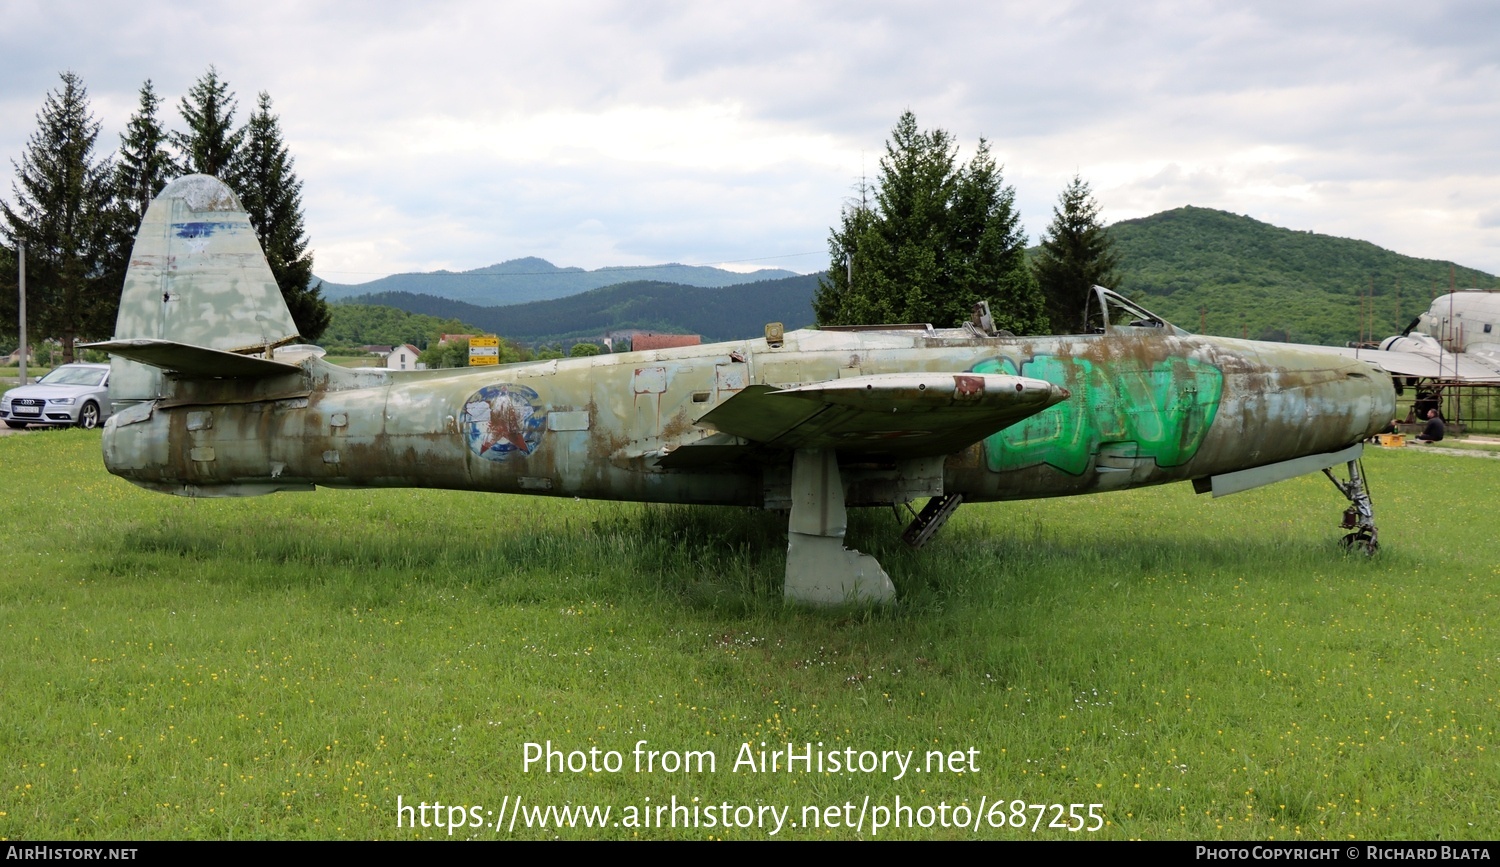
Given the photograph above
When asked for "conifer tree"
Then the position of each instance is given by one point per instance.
(142, 168)
(836, 302)
(144, 165)
(61, 196)
(928, 240)
(211, 142)
(9, 296)
(272, 196)
(1077, 254)
(991, 265)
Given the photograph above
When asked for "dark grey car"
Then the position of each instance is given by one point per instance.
(74, 394)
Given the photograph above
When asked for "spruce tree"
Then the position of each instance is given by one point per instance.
(991, 265)
(1077, 254)
(142, 168)
(9, 296)
(272, 196)
(928, 240)
(836, 302)
(144, 165)
(60, 211)
(211, 143)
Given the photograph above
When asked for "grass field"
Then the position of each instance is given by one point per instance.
(290, 666)
(10, 377)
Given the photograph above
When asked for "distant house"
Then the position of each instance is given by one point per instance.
(376, 349)
(647, 340)
(403, 357)
(448, 338)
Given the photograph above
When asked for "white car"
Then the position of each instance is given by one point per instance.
(74, 394)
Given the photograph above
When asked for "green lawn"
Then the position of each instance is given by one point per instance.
(10, 377)
(289, 666)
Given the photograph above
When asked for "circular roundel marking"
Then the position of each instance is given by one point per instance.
(502, 420)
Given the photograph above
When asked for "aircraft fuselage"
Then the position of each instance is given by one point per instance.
(1145, 407)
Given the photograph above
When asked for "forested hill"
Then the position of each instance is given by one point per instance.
(1241, 276)
(718, 314)
(1232, 274)
(518, 281)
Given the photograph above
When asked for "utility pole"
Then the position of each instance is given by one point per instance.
(21, 254)
(1398, 301)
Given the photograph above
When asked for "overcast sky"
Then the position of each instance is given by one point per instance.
(456, 135)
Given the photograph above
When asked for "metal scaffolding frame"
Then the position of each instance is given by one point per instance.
(1469, 405)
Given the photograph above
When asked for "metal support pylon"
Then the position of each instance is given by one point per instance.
(819, 569)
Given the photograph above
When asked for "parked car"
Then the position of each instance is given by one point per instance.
(74, 394)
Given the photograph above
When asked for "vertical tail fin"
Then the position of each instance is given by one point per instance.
(197, 276)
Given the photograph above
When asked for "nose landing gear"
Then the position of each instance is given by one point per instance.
(1359, 518)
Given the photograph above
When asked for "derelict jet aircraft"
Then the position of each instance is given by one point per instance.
(216, 403)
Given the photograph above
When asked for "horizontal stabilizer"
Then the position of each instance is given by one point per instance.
(194, 362)
(906, 414)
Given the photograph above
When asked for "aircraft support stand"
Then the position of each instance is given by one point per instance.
(819, 569)
(1359, 518)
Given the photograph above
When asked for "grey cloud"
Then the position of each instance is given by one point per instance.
(1370, 107)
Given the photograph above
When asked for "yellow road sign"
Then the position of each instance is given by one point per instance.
(484, 350)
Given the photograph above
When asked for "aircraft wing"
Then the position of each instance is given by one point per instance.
(905, 414)
(1487, 353)
(1465, 367)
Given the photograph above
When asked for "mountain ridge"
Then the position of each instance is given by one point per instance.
(531, 278)
(1201, 268)
(713, 312)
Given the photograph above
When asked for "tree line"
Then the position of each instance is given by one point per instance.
(930, 238)
(354, 326)
(76, 212)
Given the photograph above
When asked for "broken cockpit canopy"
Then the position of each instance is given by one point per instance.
(1108, 312)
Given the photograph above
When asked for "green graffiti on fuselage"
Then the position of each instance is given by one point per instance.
(1161, 413)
